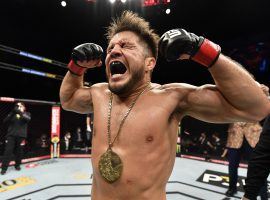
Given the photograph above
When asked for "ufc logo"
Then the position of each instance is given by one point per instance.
(173, 33)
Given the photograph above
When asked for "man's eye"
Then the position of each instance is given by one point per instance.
(109, 50)
(126, 45)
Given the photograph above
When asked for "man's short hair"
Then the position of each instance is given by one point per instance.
(130, 21)
(20, 103)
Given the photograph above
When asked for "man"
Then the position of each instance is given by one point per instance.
(259, 164)
(134, 116)
(204, 146)
(242, 138)
(17, 121)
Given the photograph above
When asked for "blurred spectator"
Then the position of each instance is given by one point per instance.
(204, 145)
(17, 121)
(89, 130)
(216, 145)
(242, 138)
(187, 143)
(43, 142)
(67, 141)
(77, 139)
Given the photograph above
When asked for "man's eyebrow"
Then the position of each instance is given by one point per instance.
(120, 41)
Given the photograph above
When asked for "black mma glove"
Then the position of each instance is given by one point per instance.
(176, 42)
(84, 52)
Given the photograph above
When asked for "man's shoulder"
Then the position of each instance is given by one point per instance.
(178, 88)
(99, 87)
(172, 92)
(99, 90)
(102, 85)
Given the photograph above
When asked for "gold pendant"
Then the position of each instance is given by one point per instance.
(110, 166)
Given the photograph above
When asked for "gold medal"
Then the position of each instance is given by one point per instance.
(110, 166)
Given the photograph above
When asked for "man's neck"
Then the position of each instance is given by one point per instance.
(127, 97)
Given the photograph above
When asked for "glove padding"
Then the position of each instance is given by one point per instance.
(176, 42)
(84, 52)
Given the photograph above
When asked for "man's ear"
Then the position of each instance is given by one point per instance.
(150, 63)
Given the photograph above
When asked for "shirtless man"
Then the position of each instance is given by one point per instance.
(134, 116)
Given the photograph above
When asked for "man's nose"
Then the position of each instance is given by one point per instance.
(116, 52)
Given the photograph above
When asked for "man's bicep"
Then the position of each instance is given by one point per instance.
(80, 101)
(206, 103)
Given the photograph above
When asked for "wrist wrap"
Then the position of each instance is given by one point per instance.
(207, 54)
(76, 69)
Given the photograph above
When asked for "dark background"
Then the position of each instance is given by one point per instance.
(45, 28)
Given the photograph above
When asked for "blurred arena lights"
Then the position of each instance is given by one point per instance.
(168, 11)
(143, 3)
(147, 3)
(63, 3)
(113, 1)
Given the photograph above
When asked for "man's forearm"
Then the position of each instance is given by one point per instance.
(84, 56)
(234, 82)
(69, 85)
(239, 88)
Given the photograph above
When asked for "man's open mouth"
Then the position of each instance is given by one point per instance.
(117, 68)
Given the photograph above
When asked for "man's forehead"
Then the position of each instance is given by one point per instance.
(125, 36)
